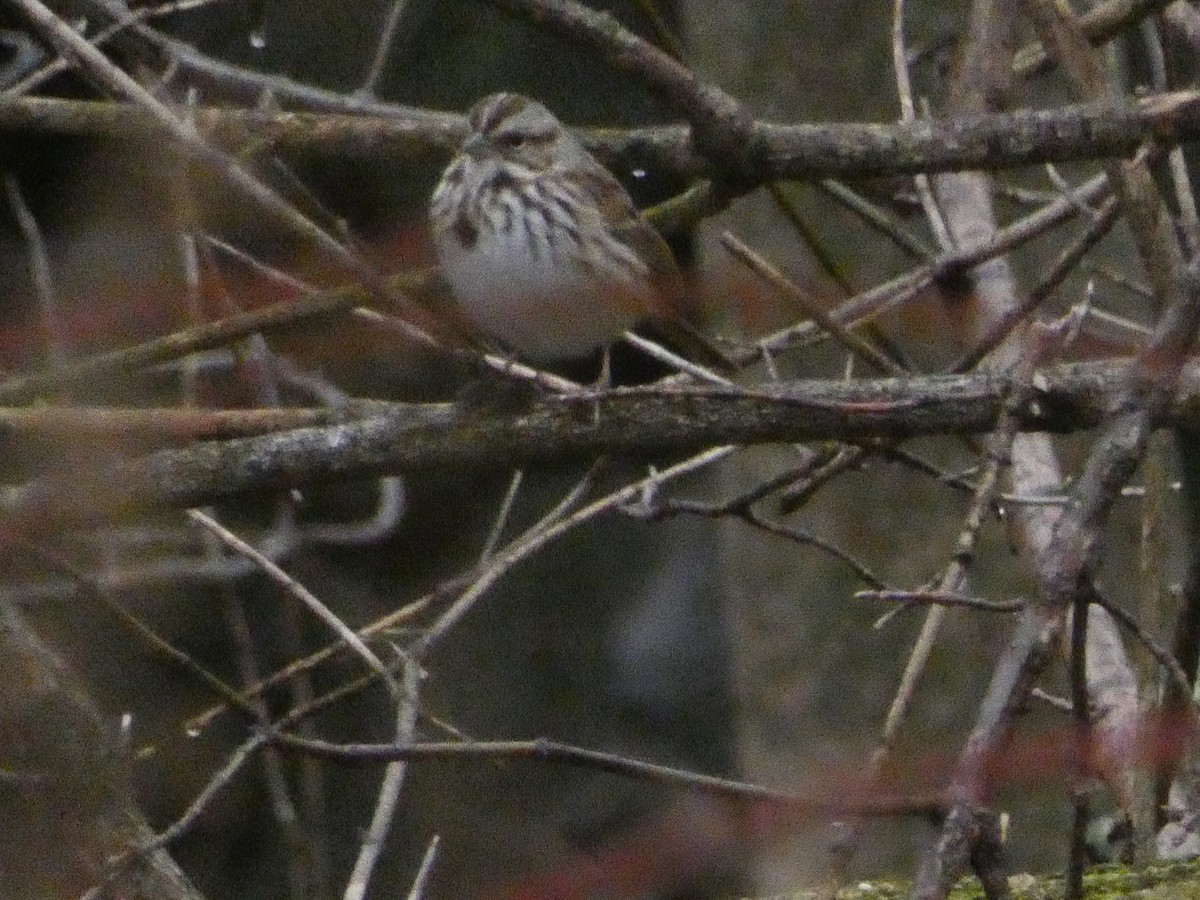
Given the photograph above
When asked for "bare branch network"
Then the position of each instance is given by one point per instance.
(660, 420)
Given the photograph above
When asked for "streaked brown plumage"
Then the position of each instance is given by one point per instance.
(543, 248)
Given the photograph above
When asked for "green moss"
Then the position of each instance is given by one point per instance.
(1161, 881)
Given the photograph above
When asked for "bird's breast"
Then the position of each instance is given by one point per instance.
(539, 281)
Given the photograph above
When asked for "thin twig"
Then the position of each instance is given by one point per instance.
(658, 352)
(159, 644)
(236, 762)
(908, 113)
(1081, 720)
(877, 218)
(188, 340)
(387, 36)
(1162, 655)
(942, 598)
(502, 562)
(297, 590)
(1002, 326)
(501, 519)
(74, 46)
(763, 269)
(810, 460)
(283, 806)
(803, 536)
(543, 750)
(422, 877)
(371, 846)
(55, 332)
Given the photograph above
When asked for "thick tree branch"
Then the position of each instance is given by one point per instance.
(647, 421)
(80, 812)
(808, 150)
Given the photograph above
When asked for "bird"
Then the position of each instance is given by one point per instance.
(543, 249)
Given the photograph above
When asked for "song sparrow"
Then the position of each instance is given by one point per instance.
(543, 248)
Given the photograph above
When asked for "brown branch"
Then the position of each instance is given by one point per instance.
(199, 337)
(722, 129)
(214, 77)
(82, 814)
(97, 67)
(942, 598)
(1000, 327)
(158, 426)
(1066, 565)
(809, 150)
(1099, 25)
(405, 437)
(544, 750)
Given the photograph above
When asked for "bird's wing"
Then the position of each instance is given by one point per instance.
(628, 226)
(666, 303)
